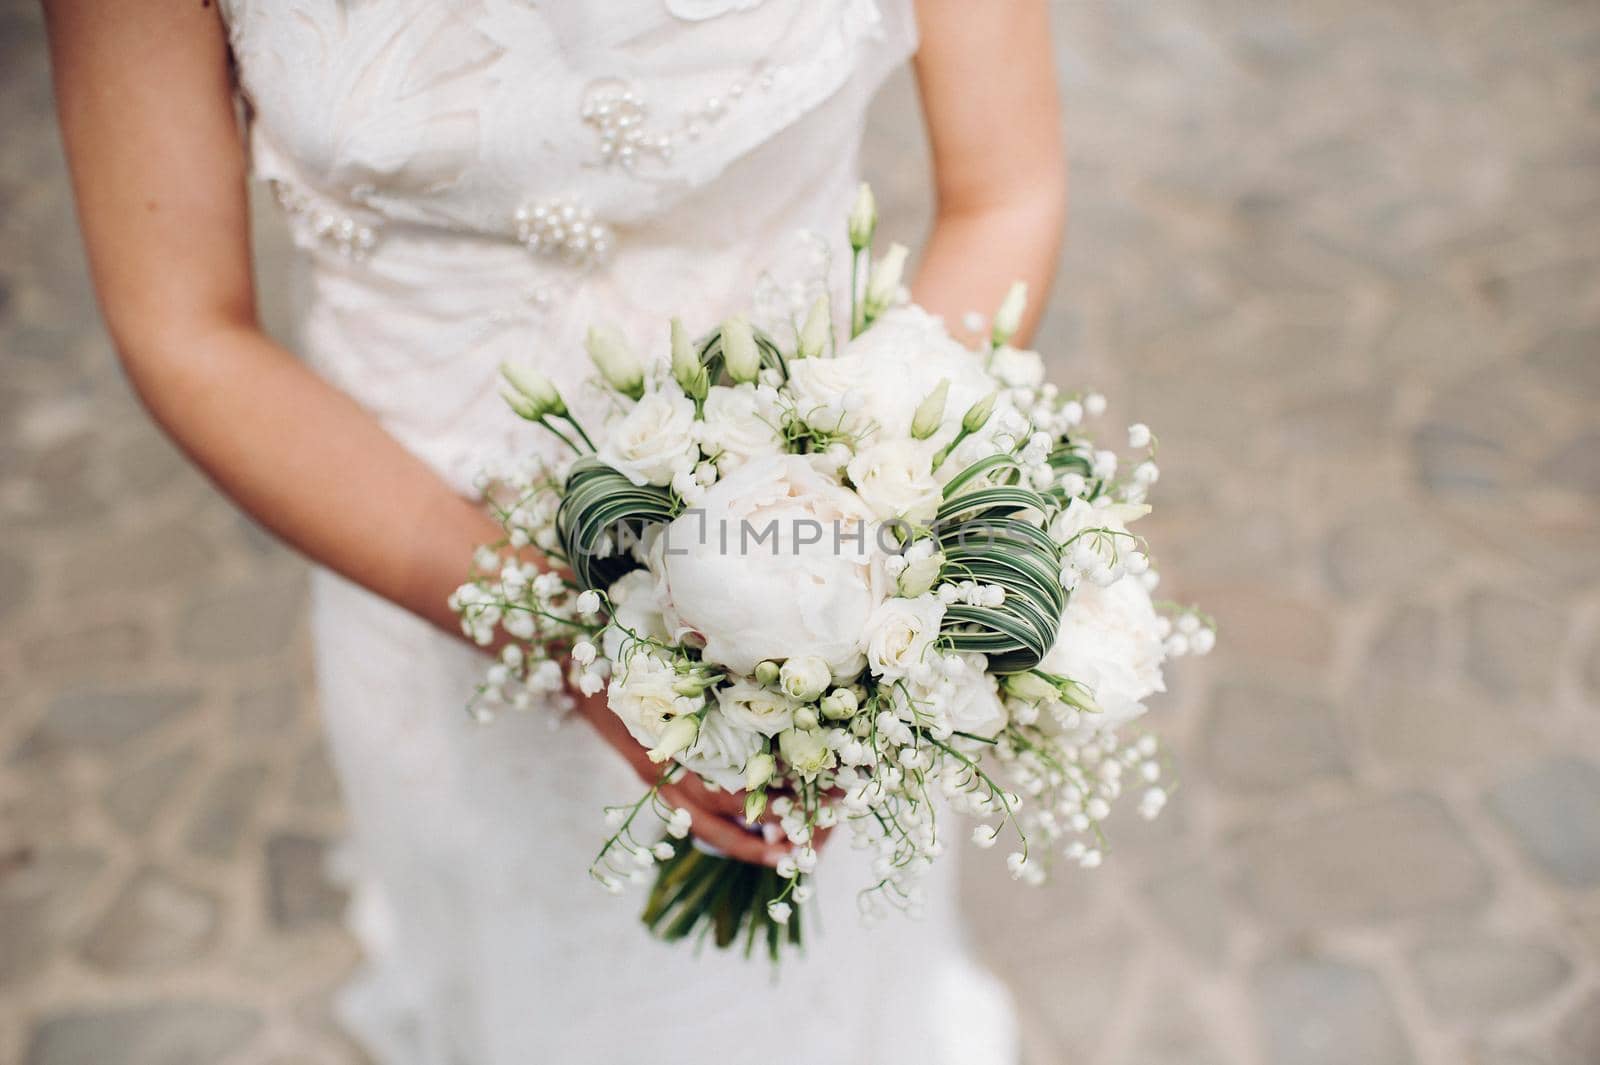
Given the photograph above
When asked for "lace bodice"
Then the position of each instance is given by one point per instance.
(474, 180)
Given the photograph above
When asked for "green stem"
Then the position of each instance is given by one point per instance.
(576, 450)
(570, 420)
(858, 310)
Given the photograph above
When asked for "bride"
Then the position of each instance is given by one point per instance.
(471, 181)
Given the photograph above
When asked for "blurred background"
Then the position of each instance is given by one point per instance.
(1344, 257)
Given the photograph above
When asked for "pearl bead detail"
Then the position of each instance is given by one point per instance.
(344, 233)
(618, 115)
(565, 229)
(621, 118)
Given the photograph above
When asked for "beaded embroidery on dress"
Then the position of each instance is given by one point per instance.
(476, 180)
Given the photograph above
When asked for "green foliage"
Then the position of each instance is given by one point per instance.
(696, 892)
(599, 503)
(988, 530)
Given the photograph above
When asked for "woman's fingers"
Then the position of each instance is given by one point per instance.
(726, 835)
(727, 803)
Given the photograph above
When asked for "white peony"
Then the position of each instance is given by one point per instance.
(756, 709)
(653, 440)
(900, 634)
(739, 424)
(1110, 643)
(643, 694)
(721, 750)
(775, 562)
(896, 479)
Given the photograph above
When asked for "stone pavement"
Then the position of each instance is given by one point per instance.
(1344, 256)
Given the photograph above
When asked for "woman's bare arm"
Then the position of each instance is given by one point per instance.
(146, 108)
(987, 80)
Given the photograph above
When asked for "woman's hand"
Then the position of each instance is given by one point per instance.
(715, 817)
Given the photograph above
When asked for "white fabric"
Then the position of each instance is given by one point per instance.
(403, 136)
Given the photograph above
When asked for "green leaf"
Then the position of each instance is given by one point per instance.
(989, 535)
(598, 502)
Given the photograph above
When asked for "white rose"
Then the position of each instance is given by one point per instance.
(900, 633)
(806, 751)
(819, 387)
(774, 563)
(1110, 643)
(652, 441)
(902, 356)
(805, 677)
(896, 479)
(1016, 368)
(975, 707)
(739, 425)
(633, 613)
(642, 693)
(721, 750)
(756, 709)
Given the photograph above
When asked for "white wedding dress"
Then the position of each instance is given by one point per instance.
(478, 180)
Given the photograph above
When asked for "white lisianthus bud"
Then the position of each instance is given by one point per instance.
(1008, 319)
(863, 218)
(687, 369)
(805, 717)
(678, 736)
(840, 704)
(521, 405)
(758, 770)
(920, 575)
(609, 351)
(805, 677)
(817, 330)
(535, 387)
(767, 673)
(1029, 686)
(978, 414)
(884, 281)
(930, 412)
(739, 350)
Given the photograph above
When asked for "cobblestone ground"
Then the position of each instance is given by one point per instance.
(1345, 256)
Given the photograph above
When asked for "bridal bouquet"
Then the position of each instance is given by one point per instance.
(866, 582)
